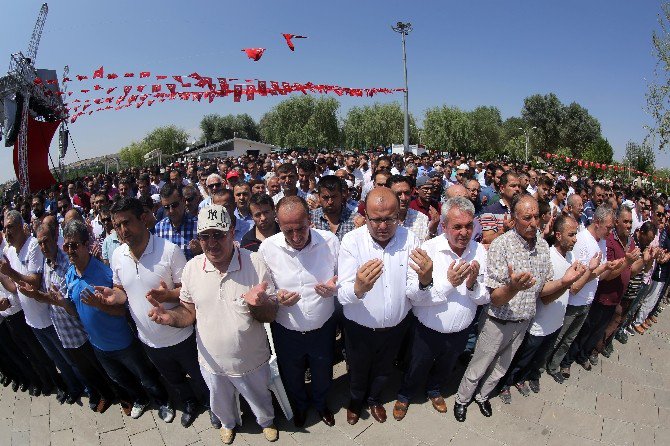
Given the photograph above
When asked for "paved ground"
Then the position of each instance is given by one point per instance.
(623, 400)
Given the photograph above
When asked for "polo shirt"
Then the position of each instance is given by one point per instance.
(492, 217)
(301, 271)
(584, 250)
(417, 206)
(230, 341)
(250, 242)
(29, 260)
(109, 245)
(611, 291)
(161, 260)
(106, 332)
(549, 317)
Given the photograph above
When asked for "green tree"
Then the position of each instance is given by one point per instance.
(578, 129)
(546, 114)
(377, 124)
(302, 121)
(658, 91)
(169, 139)
(217, 128)
(640, 157)
(447, 129)
(487, 131)
(599, 151)
(133, 153)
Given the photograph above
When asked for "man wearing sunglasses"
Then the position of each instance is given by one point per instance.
(232, 291)
(178, 226)
(213, 184)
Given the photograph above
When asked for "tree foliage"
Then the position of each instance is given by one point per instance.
(377, 124)
(640, 157)
(599, 151)
(217, 128)
(658, 91)
(302, 121)
(447, 129)
(169, 139)
(579, 129)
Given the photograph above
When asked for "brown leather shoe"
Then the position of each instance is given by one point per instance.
(327, 417)
(652, 319)
(126, 407)
(400, 410)
(353, 416)
(646, 324)
(439, 404)
(378, 413)
(639, 329)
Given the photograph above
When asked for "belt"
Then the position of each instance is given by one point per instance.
(383, 328)
(504, 321)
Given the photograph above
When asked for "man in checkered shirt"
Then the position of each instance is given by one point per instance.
(179, 226)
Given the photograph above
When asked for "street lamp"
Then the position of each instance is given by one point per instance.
(404, 29)
(526, 133)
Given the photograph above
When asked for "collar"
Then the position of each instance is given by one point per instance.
(525, 243)
(235, 263)
(147, 249)
(444, 246)
(314, 240)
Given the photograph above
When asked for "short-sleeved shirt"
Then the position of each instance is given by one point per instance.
(611, 291)
(230, 341)
(109, 245)
(345, 224)
(180, 236)
(512, 249)
(492, 217)
(161, 260)
(242, 224)
(106, 332)
(584, 250)
(251, 242)
(549, 317)
(29, 260)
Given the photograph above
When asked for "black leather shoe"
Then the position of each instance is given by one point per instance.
(485, 408)
(35, 391)
(327, 417)
(216, 423)
(16, 386)
(189, 414)
(61, 396)
(71, 399)
(299, 419)
(460, 411)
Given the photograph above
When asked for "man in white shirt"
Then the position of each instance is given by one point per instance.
(148, 269)
(591, 251)
(444, 304)
(530, 359)
(372, 265)
(303, 265)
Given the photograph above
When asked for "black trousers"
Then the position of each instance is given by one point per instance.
(15, 363)
(96, 378)
(177, 361)
(591, 332)
(531, 358)
(370, 355)
(432, 359)
(26, 340)
(297, 350)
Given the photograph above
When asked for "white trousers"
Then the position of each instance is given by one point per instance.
(253, 387)
(649, 301)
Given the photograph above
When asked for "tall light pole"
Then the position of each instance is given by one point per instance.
(526, 133)
(404, 29)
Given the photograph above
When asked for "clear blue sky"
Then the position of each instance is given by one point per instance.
(465, 54)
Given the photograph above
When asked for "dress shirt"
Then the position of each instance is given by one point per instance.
(14, 302)
(549, 317)
(386, 304)
(242, 224)
(304, 195)
(345, 224)
(417, 222)
(584, 250)
(512, 249)
(443, 307)
(180, 236)
(300, 271)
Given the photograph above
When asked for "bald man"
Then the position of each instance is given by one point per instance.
(373, 265)
(458, 190)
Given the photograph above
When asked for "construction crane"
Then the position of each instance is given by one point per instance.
(21, 95)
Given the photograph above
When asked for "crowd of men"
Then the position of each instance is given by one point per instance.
(161, 285)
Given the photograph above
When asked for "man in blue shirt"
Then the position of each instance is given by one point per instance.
(113, 342)
(178, 226)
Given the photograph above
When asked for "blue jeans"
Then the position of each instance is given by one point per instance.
(128, 368)
(48, 338)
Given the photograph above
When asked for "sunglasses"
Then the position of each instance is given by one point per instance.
(189, 199)
(214, 185)
(216, 236)
(71, 246)
(172, 206)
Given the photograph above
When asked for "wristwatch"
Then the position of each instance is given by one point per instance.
(421, 287)
(474, 286)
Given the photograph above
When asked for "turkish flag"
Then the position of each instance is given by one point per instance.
(160, 77)
(171, 87)
(178, 79)
(129, 75)
(109, 90)
(98, 73)
(262, 88)
(254, 53)
(97, 87)
(81, 78)
(237, 93)
(144, 74)
(127, 89)
(140, 88)
(288, 38)
(155, 88)
(39, 138)
(112, 76)
(250, 92)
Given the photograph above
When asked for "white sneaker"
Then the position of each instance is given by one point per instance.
(271, 433)
(138, 410)
(227, 435)
(166, 413)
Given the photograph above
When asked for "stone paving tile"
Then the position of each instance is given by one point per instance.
(466, 437)
(117, 437)
(63, 437)
(21, 413)
(618, 433)
(528, 409)
(39, 406)
(627, 411)
(559, 438)
(386, 433)
(111, 420)
(569, 420)
(580, 398)
(173, 434)
(635, 393)
(143, 423)
(421, 421)
(60, 416)
(20, 438)
(149, 437)
(39, 430)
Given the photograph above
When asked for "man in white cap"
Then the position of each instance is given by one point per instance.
(230, 291)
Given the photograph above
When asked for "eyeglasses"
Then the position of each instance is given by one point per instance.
(216, 236)
(71, 246)
(214, 185)
(172, 206)
(660, 214)
(379, 221)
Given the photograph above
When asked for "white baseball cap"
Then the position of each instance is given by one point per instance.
(213, 216)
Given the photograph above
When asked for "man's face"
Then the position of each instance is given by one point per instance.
(350, 163)
(213, 184)
(192, 200)
(70, 189)
(624, 223)
(47, 243)
(106, 222)
(14, 233)
(75, 249)
(560, 196)
(274, 186)
(543, 191)
(598, 196)
(130, 229)
(143, 187)
(288, 180)
(496, 178)
(124, 189)
(218, 245)
(258, 188)
(252, 169)
(511, 189)
(63, 206)
(202, 181)
(602, 229)
(384, 165)
(99, 201)
(263, 216)
(382, 219)
(37, 207)
(473, 188)
(459, 175)
(331, 200)
(532, 178)
(303, 178)
(527, 219)
(175, 177)
(425, 191)
(658, 217)
(242, 195)
(577, 207)
(403, 191)
(380, 179)
(458, 227)
(567, 238)
(174, 206)
(294, 223)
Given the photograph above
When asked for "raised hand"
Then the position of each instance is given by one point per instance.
(520, 281)
(595, 260)
(328, 289)
(473, 274)
(257, 295)
(4, 304)
(93, 299)
(574, 272)
(632, 255)
(25, 288)
(287, 298)
(367, 275)
(458, 272)
(104, 295)
(508, 222)
(434, 216)
(160, 294)
(5, 267)
(422, 264)
(359, 220)
(158, 313)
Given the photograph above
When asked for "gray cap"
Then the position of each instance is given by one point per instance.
(422, 180)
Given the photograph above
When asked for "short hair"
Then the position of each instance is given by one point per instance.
(561, 221)
(462, 203)
(254, 182)
(286, 168)
(214, 175)
(518, 198)
(63, 197)
(544, 207)
(561, 187)
(546, 181)
(648, 226)
(572, 198)
(261, 200)
(397, 179)
(380, 172)
(241, 184)
(331, 183)
(505, 177)
(168, 189)
(128, 204)
(307, 165)
(621, 209)
(14, 216)
(144, 177)
(602, 212)
(293, 200)
(190, 189)
(76, 228)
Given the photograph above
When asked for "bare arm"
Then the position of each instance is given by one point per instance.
(183, 315)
